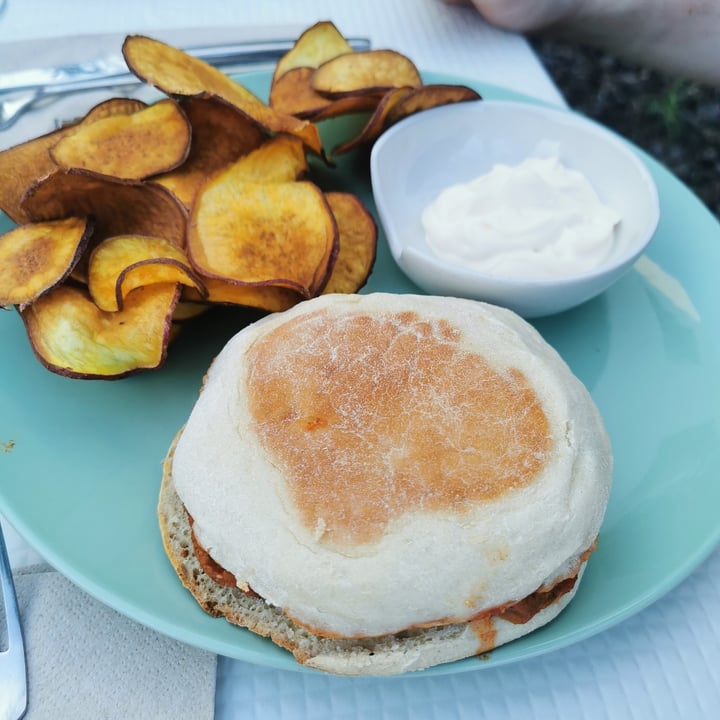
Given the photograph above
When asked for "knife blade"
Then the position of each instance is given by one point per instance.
(112, 69)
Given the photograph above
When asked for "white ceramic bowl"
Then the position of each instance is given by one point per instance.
(421, 155)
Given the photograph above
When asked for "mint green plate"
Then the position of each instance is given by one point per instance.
(80, 461)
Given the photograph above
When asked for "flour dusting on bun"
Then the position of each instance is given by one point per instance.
(381, 483)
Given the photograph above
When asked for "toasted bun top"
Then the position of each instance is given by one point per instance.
(378, 462)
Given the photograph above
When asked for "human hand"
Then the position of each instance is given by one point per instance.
(523, 15)
(679, 37)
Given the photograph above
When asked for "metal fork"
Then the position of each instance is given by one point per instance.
(13, 672)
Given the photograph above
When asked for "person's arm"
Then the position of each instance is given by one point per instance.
(681, 37)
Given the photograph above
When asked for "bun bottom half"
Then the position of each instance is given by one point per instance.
(399, 653)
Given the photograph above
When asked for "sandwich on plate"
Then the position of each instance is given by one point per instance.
(381, 483)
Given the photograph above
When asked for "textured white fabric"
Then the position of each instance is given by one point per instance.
(86, 661)
(661, 664)
(80, 48)
(437, 37)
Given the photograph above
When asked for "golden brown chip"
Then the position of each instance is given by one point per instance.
(119, 208)
(429, 96)
(177, 73)
(262, 297)
(220, 135)
(346, 106)
(36, 257)
(371, 71)
(122, 263)
(280, 159)
(113, 107)
(20, 166)
(314, 46)
(280, 233)
(26, 163)
(71, 336)
(358, 243)
(293, 94)
(128, 146)
(377, 123)
(402, 102)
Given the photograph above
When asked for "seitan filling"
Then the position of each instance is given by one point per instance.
(517, 613)
(212, 569)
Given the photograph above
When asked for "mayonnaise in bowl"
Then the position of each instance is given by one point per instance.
(536, 219)
(538, 242)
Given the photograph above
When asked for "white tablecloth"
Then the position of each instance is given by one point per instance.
(661, 663)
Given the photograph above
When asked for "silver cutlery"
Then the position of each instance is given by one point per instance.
(23, 90)
(13, 672)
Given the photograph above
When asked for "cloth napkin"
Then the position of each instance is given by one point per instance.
(86, 661)
(27, 54)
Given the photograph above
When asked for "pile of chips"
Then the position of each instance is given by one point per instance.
(136, 217)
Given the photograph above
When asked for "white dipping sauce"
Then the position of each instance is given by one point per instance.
(538, 219)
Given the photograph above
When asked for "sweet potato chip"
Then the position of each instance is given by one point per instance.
(377, 122)
(36, 257)
(429, 96)
(128, 146)
(177, 73)
(280, 233)
(261, 297)
(358, 243)
(346, 106)
(401, 102)
(20, 166)
(24, 164)
(281, 159)
(113, 107)
(371, 71)
(220, 135)
(293, 94)
(318, 44)
(71, 336)
(122, 263)
(119, 208)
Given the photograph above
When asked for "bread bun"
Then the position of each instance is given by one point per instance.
(393, 481)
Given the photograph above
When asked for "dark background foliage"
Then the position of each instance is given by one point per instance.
(674, 120)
